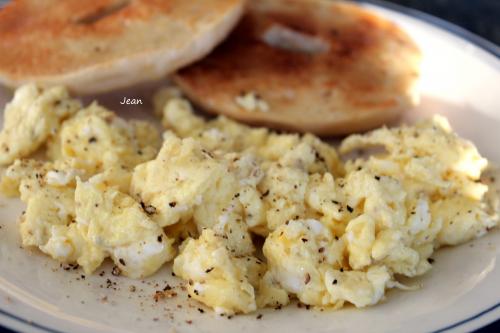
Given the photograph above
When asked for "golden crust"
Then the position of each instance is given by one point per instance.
(55, 41)
(366, 77)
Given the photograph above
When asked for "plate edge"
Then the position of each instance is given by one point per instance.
(450, 27)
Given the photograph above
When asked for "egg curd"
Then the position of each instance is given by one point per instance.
(250, 218)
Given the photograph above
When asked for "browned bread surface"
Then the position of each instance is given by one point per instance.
(343, 70)
(99, 45)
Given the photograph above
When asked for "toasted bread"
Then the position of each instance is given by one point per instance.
(317, 66)
(95, 46)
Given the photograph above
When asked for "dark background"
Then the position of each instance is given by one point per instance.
(481, 17)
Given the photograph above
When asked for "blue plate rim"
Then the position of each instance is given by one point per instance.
(474, 39)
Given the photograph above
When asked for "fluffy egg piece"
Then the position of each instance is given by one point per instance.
(115, 222)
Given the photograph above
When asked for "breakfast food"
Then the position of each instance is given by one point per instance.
(96, 46)
(334, 232)
(324, 67)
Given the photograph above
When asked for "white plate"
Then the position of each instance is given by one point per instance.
(461, 293)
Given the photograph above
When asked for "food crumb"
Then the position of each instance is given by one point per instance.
(251, 101)
(162, 294)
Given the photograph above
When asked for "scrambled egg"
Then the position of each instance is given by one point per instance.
(31, 118)
(333, 232)
(116, 223)
(95, 139)
(217, 277)
(91, 154)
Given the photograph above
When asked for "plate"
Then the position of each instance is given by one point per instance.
(461, 76)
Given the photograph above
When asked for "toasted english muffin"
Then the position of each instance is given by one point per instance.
(95, 46)
(326, 67)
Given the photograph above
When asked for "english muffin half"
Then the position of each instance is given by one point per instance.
(100, 45)
(326, 67)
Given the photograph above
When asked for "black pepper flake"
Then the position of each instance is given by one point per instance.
(172, 204)
(200, 310)
(92, 139)
(304, 240)
(350, 209)
(71, 267)
(259, 316)
(265, 194)
(204, 151)
(430, 260)
(116, 271)
(160, 238)
(196, 292)
(149, 209)
(334, 281)
(209, 270)
(341, 269)
(321, 250)
(319, 157)
(237, 195)
(308, 278)
(121, 261)
(308, 306)
(377, 177)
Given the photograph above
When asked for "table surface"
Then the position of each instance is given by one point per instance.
(479, 16)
